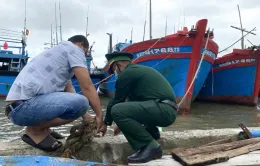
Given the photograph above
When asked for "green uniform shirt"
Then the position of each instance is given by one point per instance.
(139, 83)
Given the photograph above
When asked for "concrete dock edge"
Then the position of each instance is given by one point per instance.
(112, 149)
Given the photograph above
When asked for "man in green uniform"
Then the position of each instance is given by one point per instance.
(150, 102)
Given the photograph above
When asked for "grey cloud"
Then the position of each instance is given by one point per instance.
(120, 16)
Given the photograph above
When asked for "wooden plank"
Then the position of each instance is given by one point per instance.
(213, 148)
(219, 156)
(215, 153)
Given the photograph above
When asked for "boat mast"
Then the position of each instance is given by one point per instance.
(110, 43)
(131, 35)
(241, 29)
(56, 25)
(166, 27)
(145, 21)
(25, 17)
(24, 31)
(150, 19)
(60, 24)
(51, 37)
(242, 39)
(87, 23)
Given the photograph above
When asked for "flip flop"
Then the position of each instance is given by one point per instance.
(56, 135)
(48, 144)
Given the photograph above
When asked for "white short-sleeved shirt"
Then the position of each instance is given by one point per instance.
(48, 72)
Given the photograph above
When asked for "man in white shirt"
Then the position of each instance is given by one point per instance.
(40, 96)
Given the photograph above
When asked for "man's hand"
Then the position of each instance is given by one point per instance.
(103, 129)
(116, 130)
(100, 123)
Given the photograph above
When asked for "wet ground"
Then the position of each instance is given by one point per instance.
(202, 116)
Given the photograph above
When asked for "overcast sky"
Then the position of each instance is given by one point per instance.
(120, 16)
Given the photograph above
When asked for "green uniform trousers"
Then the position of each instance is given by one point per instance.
(131, 116)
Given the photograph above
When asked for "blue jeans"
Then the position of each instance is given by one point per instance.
(45, 107)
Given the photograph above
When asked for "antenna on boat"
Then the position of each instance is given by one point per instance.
(60, 23)
(56, 25)
(131, 35)
(241, 29)
(24, 33)
(145, 21)
(87, 23)
(51, 37)
(110, 42)
(151, 19)
(166, 26)
(242, 39)
(24, 16)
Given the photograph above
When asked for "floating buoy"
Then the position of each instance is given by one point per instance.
(5, 46)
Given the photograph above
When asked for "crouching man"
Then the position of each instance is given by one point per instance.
(150, 102)
(42, 95)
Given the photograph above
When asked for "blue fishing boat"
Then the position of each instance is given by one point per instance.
(95, 73)
(31, 160)
(235, 78)
(13, 58)
(185, 59)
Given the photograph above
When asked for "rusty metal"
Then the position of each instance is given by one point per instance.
(246, 131)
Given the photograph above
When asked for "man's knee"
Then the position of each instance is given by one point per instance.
(79, 105)
(80, 101)
(116, 111)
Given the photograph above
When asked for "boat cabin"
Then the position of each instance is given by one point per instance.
(12, 63)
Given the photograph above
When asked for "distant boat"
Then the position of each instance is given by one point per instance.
(11, 63)
(95, 73)
(177, 57)
(235, 78)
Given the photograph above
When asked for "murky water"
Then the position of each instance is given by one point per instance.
(202, 116)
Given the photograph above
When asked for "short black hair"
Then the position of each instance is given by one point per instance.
(79, 39)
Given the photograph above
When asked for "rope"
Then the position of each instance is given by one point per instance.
(202, 57)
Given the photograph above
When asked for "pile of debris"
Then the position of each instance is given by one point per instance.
(80, 135)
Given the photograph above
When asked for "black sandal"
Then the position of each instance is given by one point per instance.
(56, 135)
(48, 144)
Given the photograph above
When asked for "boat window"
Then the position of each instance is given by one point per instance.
(4, 64)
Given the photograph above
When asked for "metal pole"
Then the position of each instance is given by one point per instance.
(132, 35)
(166, 27)
(56, 26)
(60, 24)
(242, 39)
(87, 23)
(110, 42)
(51, 37)
(150, 19)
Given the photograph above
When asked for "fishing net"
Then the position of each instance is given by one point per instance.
(80, 135)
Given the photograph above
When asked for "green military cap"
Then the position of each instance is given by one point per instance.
(118, 56)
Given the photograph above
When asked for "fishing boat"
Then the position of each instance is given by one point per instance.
(184, 58)
(12, 58)
(177, 57)
(235, 78)
(96, 74)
